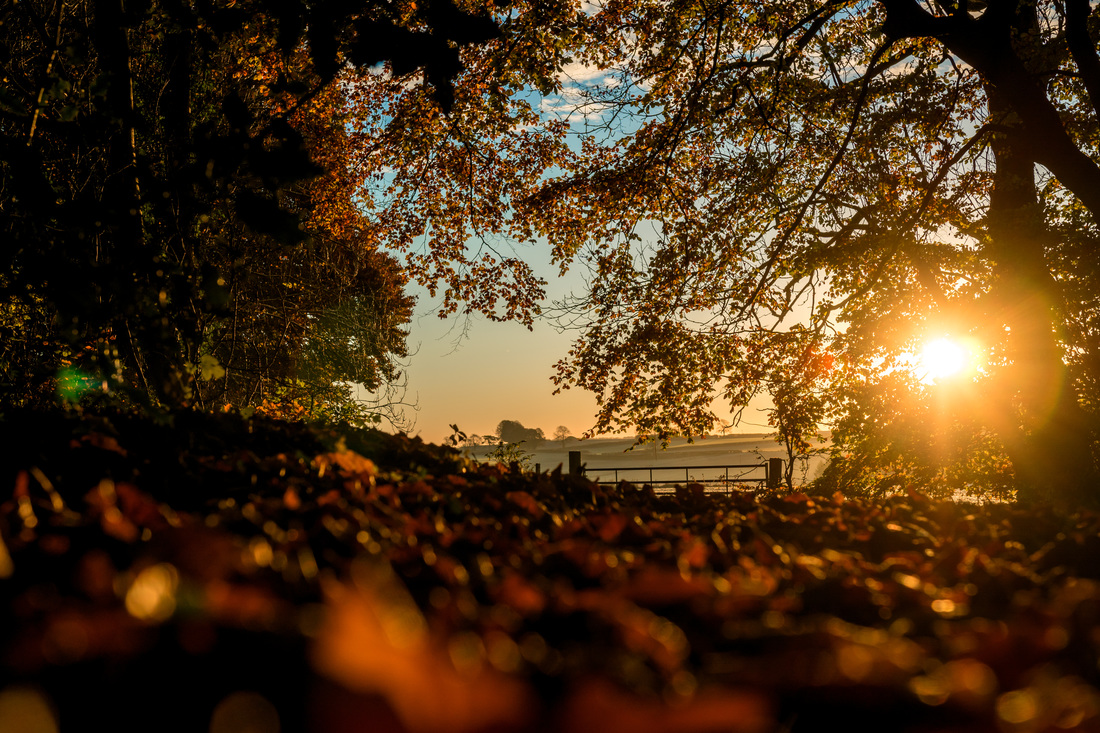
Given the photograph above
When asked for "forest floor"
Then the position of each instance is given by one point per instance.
(189, 572)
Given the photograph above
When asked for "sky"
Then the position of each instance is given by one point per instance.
(474, 372)
(492, 372)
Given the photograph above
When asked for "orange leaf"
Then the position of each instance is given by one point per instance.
(526, 502)
(291, 500)
(372, 643)
(519, 593)
(609, 526)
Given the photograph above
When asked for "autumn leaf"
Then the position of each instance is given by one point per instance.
(372, 645)
(525, 501)
(519, 593)
(349, 464)
(609, 526)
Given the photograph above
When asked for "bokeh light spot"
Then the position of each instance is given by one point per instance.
(152, 596)
(245, 712)
(26, 710)
(1018, 706)
(73, 383)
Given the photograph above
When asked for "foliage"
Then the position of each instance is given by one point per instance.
(505, 454)
(938, 443)
(508, 454)
(723, 169)
(312, 320)
(342, 575)
(160, 208)
(457, 437)
(798, 380)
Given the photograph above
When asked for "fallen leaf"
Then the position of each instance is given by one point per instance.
(371, 645)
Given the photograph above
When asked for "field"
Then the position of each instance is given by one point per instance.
(712, 450)
(192, 572)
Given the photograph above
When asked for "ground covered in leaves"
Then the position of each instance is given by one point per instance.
(195, 572)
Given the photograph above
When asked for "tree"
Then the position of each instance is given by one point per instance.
(886, 170)
(562, 433)
(313, 318)
(512, 431)
(153, 171)
(797, 381)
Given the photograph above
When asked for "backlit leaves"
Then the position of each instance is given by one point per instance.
(722, 170)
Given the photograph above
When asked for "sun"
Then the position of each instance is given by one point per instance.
(942, 358)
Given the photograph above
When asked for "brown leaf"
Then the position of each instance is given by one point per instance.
(139, 507)
(103, 442)
(526, 502)
(609, 526)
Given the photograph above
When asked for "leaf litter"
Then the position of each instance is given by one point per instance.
(347, 575)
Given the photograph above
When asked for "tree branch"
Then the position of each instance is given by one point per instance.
(46, 76)
(873, 69)
(1083, 49)
(986, 44)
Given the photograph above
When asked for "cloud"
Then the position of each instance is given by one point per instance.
(579, 72)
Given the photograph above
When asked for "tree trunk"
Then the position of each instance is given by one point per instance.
(1037, 414)
(142, 331)
(122, 194)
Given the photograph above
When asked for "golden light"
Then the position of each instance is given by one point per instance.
(943, 357)
(245, 711)
(152, 596)
(27, 710)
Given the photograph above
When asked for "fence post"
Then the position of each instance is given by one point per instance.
(775, 472)
(575, 463)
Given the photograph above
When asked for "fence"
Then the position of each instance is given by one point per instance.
(660, 476)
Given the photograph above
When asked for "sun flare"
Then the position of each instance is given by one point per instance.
(942, 358)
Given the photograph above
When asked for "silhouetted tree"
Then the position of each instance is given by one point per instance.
(562, 433)
(512, 431)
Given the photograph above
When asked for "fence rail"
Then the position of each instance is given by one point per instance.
(652, 475)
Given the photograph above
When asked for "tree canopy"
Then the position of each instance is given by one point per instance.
(881, 172)
(200, 202)
(178, 210)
